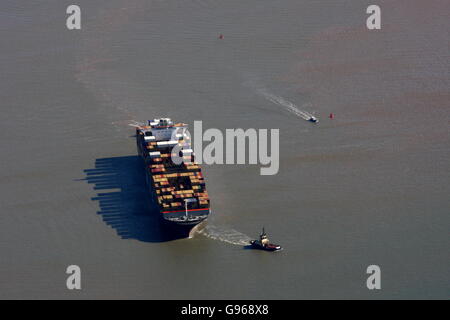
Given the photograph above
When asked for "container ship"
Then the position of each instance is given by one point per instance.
(178, 190)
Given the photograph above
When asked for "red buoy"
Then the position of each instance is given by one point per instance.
(331, 116)
(221, 36)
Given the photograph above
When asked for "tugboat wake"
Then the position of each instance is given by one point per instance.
(223, 234)
(289, 106)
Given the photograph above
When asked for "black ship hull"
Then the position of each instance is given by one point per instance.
(193, 218)
(256, 244)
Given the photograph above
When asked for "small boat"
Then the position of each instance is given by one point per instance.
(264, 244)
(313, 119)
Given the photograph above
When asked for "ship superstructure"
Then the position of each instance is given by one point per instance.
(177, 187)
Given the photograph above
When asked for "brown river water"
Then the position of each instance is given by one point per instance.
(370, 186)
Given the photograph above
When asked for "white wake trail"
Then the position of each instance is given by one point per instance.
(225, 234)
(289, 106)
(133, 123)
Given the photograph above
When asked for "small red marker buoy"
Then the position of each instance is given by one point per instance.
(331, 116)
(221, 36)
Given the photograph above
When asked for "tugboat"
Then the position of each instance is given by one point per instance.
(264, 244)
(313, 119)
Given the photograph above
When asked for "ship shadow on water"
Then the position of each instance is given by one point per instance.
(125, 200)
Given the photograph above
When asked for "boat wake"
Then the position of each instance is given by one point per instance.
(289, 106)
(227, 235)
(133, 123)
